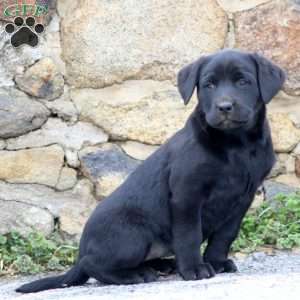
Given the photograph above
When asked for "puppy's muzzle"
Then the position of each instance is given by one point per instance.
(225, 107)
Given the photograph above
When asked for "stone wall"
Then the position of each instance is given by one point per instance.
(79, 112)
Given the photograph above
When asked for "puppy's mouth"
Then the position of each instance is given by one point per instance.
(228, 123)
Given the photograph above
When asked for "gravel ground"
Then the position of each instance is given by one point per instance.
(260, 277)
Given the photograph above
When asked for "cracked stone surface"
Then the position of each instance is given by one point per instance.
(24, 207)
(55, 131)
(147, 39)
(24, 217)
(255, 31)
(19, 114)
(38, 165)
(42, 80)
(260, 277)
(107, 166)
(119, 108)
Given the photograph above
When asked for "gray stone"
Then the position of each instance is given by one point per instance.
(71, 208)
(19, 114)
(55, 131)
(67, 179)
(63, 107)
(107, 166)
(24, 218)
(42, 80)
(272, 189)
(146, 39)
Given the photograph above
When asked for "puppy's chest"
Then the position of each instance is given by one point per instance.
(234, 183)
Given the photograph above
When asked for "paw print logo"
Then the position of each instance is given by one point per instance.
(24, 32)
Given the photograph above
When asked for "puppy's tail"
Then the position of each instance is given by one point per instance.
(73, 277)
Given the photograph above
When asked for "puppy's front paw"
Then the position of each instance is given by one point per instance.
(201, 271)
(226, 266)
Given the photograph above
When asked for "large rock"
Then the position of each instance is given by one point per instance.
(19, 114)
(146, 111)
(273, 29)
(42, 80)
(55, 131)
(136, 39)
(24, 218)
(40, 165)
(27, 207)
(239, 5)
(107, 166)
(285, 135)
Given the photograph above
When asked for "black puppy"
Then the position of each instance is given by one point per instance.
(196, 187)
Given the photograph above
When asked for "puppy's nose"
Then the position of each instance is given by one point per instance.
(225, 106)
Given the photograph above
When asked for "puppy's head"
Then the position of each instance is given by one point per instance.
(231, 87)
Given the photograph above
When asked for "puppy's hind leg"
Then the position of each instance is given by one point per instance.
(140, 274)
(120, 259)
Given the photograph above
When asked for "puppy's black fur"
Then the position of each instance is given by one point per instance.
(196, 187)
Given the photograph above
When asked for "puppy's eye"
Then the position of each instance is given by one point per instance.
(243, 81)
(210, 85)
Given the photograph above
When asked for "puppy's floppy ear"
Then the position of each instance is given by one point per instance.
(187, 79)
(270, 77)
